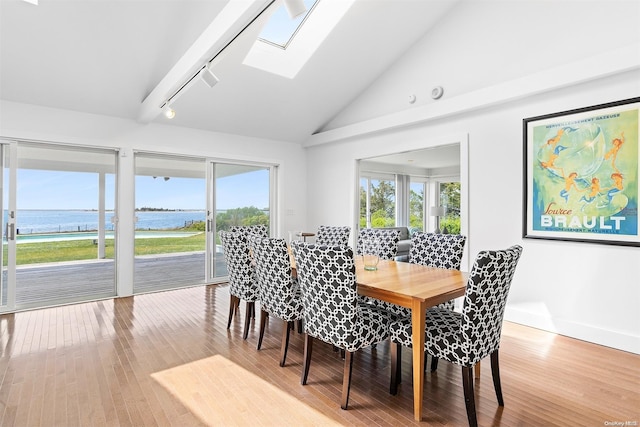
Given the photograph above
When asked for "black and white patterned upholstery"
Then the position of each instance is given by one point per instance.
(433, 250)
(332, 313)
(256, 230)
(387, 241)
(438, 250)
(243, 283)
(388, 247)
(279, 292)
(333, 236)
(466, 338)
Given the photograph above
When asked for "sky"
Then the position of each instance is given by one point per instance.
(281, 27)
(39, 189)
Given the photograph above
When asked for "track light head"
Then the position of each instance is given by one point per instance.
(295, 8)
(169, 112)
(208, 77)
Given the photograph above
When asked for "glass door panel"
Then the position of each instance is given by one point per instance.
(242, 196)
(4, 203)
(416, 205)
(64, 240)
(170, 237)
(449, 195)
(377, 202)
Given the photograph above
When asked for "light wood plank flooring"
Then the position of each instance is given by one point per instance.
(167, 359)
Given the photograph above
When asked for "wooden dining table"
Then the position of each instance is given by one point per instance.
(416, 287)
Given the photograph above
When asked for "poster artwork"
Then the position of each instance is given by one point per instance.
(583, 172)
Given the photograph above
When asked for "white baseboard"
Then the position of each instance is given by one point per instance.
(610, 338)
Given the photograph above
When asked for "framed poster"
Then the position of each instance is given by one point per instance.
(581, 174)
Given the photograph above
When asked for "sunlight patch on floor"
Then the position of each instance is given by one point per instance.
(219, 392)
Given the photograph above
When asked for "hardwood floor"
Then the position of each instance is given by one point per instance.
(168, 359)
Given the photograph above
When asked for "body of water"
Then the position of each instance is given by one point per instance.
(57, 221)
(93, 235)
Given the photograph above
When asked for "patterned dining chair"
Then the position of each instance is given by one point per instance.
(331, 310)
(466, 338)
(243, 284)
(387, 241)
(333, 235)
(387, 248)
(257, 230)
(279, 292)
(437, 250)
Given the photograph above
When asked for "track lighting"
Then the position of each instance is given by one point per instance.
(208, 77)
(168, 111)
(295, 8)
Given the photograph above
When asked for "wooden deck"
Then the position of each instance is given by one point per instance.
(51, 284)
(167, 359)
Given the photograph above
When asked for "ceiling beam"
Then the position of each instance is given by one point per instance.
(230, 22)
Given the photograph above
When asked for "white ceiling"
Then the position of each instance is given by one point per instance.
(106, 56)
(446, 156)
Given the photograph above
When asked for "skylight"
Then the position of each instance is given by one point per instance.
(281, 55)
(280, 28)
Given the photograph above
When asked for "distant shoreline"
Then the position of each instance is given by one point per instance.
(43, 221)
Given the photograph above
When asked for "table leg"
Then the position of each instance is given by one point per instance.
(417, 336)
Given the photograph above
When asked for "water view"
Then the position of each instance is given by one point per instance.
(58, 221)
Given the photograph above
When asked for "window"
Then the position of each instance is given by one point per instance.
(377, 201)
(416, 203)
(284, 49)
(280, 29)
(449, 196)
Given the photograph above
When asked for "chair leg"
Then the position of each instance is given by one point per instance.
(247, 319)
(469, 399)
(263, 320)
(346, 379)
(495, 372)
(396, 367)
(285, 341)
(434, 364)
(308, 347)
(233, 302)
(300, 326)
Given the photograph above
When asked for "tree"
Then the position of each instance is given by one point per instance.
(450, 198)
(382, 200)
(416, 209)
(241, 216)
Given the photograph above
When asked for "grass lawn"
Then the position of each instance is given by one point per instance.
(73, 250)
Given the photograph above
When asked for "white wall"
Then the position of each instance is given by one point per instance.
(587, 291)
(481, 43)
(28, 122)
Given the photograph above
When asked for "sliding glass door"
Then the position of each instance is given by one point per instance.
(242, 195)
(58, 239)
(170, 230)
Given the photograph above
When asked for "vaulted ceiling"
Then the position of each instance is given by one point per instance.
(108, 56)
